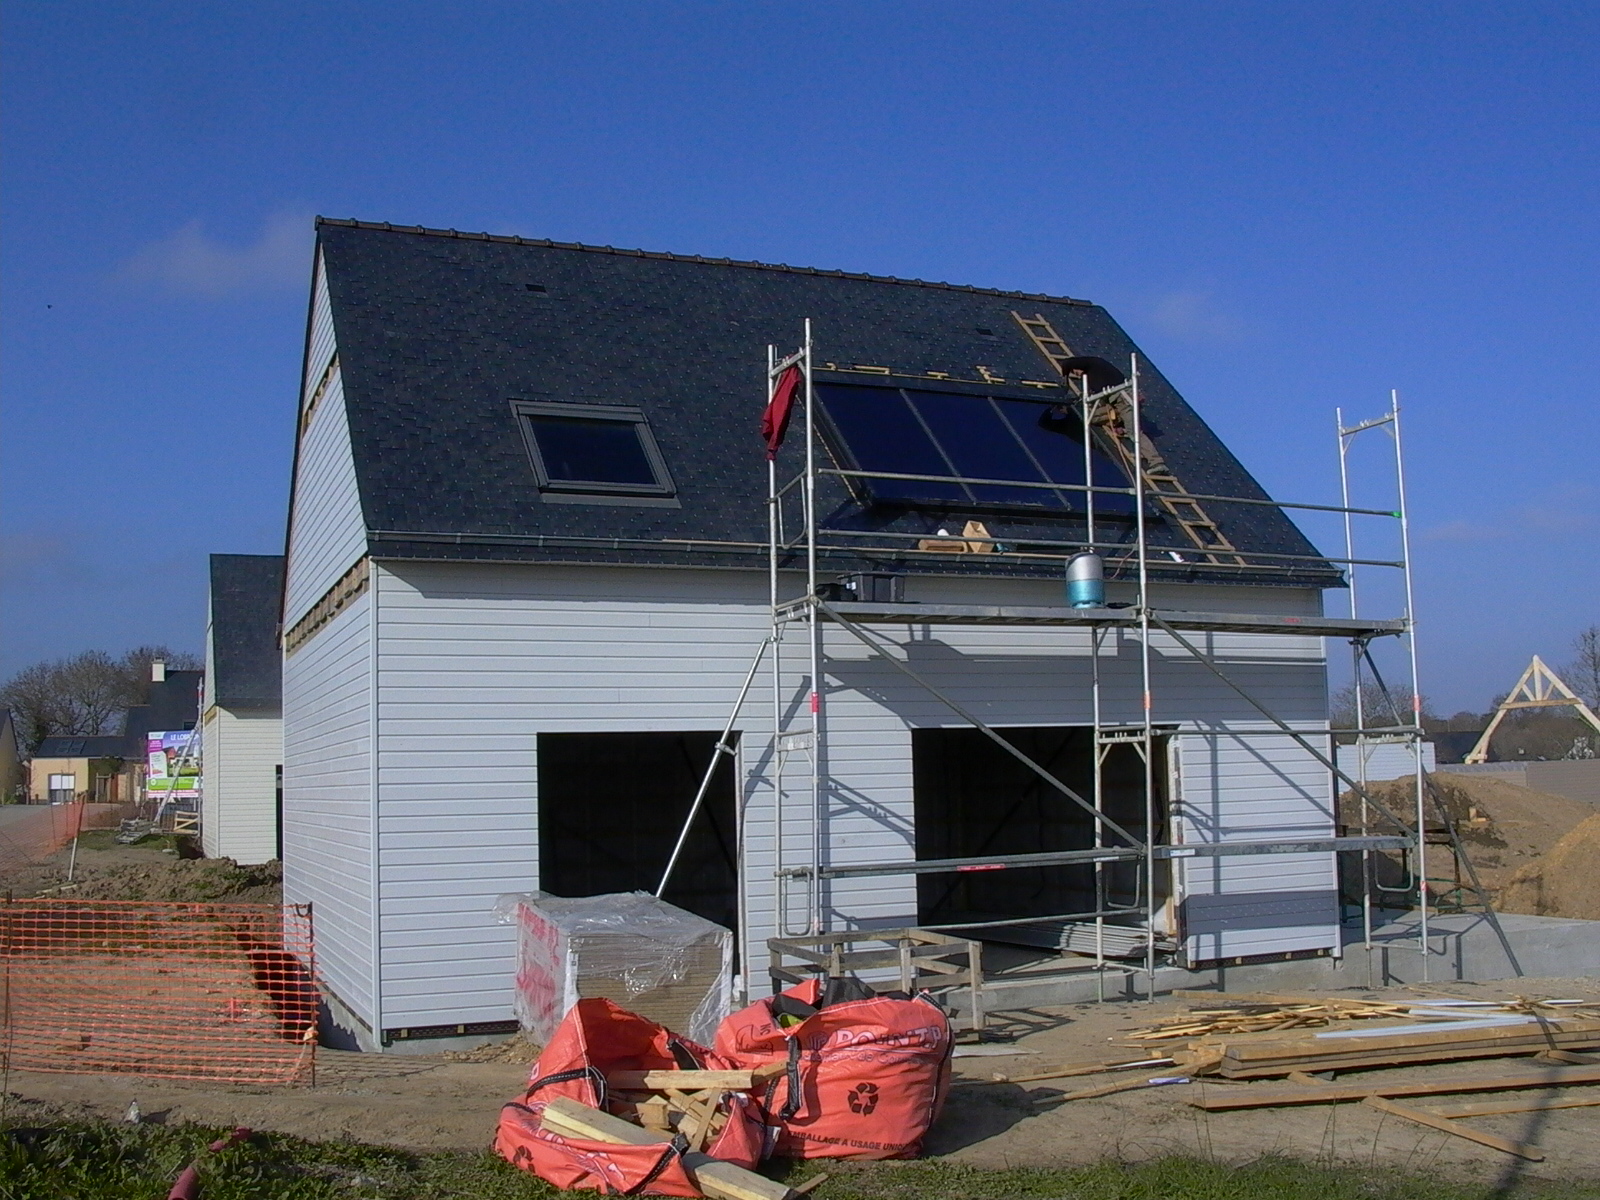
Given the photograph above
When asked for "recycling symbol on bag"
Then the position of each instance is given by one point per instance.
(863, 1098)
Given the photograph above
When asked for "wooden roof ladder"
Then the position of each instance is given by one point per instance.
(1109, 418)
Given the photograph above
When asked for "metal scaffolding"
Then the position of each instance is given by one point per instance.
(1111, 413)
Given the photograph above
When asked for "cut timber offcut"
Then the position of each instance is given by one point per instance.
(718, 1179)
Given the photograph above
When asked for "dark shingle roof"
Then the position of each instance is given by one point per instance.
(174, 705)
(115, 746)
(246, 664)
(438, 331)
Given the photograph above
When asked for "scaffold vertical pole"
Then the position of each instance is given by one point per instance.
(814, 629)
(1146, 729)
(1416, 693)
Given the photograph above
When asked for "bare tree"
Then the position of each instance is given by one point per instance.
(85, 695)
(1377, 707)
(1582, 674)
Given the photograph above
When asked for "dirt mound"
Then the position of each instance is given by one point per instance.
(1503, 826)
(1562, 883)
(518, 1048)
(198, 879)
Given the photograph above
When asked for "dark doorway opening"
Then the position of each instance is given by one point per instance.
(611, 806)
(974, 799)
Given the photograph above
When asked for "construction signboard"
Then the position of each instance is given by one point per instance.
(173, 763)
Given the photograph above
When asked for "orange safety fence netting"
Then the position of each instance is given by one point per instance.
(32, 833)
(222, 992)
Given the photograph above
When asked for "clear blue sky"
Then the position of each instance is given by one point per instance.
(1291, 206)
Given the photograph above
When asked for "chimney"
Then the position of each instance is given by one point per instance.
(158, 670)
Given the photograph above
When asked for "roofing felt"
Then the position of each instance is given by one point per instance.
(103, 746)
(246, 663)
(439, 332)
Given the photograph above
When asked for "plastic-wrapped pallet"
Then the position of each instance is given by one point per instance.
(642, 953)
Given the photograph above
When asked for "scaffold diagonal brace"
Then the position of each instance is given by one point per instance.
(1205, 660)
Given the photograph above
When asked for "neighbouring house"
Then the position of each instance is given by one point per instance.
(111, 768)
(105, 769)
(243, 727)
(13, 775)
(527, 573)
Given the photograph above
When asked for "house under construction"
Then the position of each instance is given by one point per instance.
(553, 619)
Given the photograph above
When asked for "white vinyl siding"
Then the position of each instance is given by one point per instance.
(327, 799)
(320, 346)
(327, 531)
(477, 660)
(243, 751)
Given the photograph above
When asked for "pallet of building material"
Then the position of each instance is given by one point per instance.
(1262, 1059)
(1226, 1099)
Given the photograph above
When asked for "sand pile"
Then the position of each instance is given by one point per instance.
(1504, 827)
(1565, 882)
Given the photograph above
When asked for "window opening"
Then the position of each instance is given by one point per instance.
(593, 448)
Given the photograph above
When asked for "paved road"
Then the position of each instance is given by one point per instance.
(10, 814)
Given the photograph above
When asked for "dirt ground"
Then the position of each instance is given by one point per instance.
(1563, 882)
(444, 1102)
(1506, 829)
(152, 869)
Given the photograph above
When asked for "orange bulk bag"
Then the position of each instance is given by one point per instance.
(866, 1077)
(595, 1038)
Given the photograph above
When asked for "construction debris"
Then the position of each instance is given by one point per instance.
(1438, 1030)
(720, 1180)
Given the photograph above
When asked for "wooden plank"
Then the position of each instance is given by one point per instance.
(1416, 1115)
(1493, 1108)
(718, 1179)
(1254, 1097)
(1235, 1067)
(1111, 1089)
(1069, 1069)
(811, 1185)
(691, 1081)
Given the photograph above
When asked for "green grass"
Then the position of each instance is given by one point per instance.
(131, 1162)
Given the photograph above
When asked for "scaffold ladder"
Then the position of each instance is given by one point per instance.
(1111, 424)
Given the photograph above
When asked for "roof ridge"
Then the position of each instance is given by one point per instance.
(546, 243)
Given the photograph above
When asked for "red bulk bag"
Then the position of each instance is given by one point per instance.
(597, 1037)
(866, 1077)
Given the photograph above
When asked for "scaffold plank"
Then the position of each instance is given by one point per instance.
(912, 613)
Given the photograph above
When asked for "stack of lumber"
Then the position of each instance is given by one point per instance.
(1240, 1059)
(1245, 1040)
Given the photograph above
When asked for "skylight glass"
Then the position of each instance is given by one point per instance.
(910, 431)
(593, 448)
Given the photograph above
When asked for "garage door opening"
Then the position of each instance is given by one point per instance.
(974, 799)
(611, 806)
